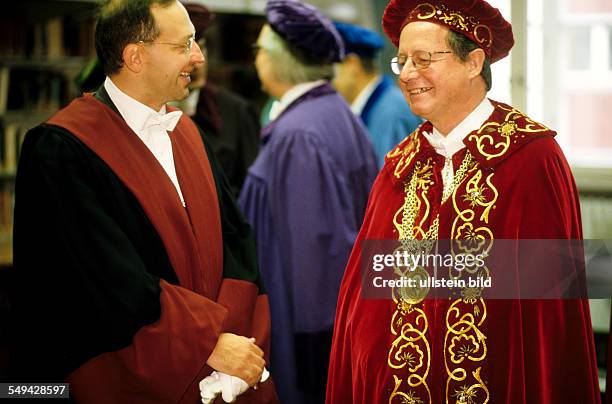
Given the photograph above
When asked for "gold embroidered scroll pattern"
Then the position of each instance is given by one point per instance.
(410, 348)
(494, 139)
(407, 153)
(415, 197)
(480, 195)
(454, 18)
(465, 345)
(465, 342)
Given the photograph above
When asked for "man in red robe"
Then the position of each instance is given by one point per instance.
(477, 172)
(130, 251)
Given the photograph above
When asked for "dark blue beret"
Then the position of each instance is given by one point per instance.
(359, 40)
(304, 27)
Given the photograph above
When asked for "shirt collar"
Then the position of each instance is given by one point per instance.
(453, 142)
(360, 101)
(133, 112)
(291, 95)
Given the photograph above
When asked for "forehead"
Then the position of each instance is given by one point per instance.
(172, 21)
(422, 35)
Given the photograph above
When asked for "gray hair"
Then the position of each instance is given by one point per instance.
(462, 46)
(291, 65)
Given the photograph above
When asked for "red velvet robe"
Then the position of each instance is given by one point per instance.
(167, 359)
(468, 350)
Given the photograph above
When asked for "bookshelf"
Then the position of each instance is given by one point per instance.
(44, 46)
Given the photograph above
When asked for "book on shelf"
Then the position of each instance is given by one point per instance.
(11, 138)
(5, 74)
(54, 30)
(33, 88)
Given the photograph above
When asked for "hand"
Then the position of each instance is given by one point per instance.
(237, 356)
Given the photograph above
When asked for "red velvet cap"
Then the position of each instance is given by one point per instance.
(476, 19)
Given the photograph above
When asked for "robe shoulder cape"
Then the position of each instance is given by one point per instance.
(131, 290)
(468, 349)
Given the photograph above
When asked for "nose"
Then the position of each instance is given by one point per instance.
(195, 54)
(409, 71)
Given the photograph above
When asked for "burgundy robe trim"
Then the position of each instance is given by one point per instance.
(167, 359)
(192, 235)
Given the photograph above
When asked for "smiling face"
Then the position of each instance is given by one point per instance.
(167, 67)
(442, 92)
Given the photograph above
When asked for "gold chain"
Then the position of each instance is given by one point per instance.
(409, 243)
(410, 210)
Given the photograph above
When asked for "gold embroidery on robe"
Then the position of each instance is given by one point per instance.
(494, 139)
(473, 201)
(465, 344)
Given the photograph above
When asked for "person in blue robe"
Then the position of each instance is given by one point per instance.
(306, 193)
(374, 97)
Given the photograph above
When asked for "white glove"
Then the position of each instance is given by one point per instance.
(230, 387)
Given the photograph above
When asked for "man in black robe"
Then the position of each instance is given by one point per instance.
(135, 273)
(230, 122)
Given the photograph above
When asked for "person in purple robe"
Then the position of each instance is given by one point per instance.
(306, 193)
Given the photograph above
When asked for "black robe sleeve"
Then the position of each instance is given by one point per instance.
(89, 267)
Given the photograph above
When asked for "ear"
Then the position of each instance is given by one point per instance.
(352, 62)
(475, 62)
(132, 57)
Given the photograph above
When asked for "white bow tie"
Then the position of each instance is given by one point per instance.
(167, 121)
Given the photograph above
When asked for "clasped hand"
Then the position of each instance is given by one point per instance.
(238, 356)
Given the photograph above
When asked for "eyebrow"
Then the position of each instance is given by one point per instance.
(188, 36)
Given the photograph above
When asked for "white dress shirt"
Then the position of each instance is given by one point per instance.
(155, 137)
(450, 144)
(291, 95)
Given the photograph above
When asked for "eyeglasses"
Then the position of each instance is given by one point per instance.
(185, 47)
(420, 60)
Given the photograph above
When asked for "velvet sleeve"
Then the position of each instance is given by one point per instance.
(550, 210)
(313, 215)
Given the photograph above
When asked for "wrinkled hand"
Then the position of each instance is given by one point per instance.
(238, 356)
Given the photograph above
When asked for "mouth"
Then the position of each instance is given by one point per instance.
(419, 90)
(186, 76)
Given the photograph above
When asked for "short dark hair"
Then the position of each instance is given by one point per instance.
(462, 46)
(120, 23)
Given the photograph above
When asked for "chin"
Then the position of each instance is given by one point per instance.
(421, 107)
(182, 95)
(264, 88)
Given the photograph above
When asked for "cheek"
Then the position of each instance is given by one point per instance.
(258, 63)
(339, 80)
(402, 87)
(266, 71)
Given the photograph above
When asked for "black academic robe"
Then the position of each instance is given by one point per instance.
(232, 128)
(106, 295)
